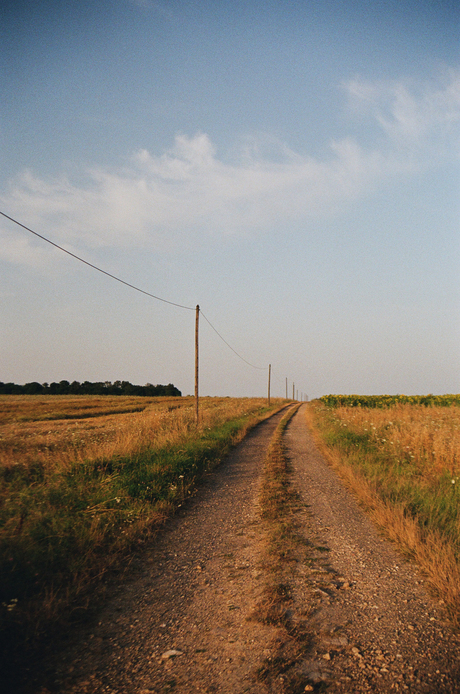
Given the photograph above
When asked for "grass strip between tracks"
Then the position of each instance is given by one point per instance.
(285, 548)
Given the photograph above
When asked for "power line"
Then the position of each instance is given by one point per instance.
(127, 284)
(104, 272)
(261, 368)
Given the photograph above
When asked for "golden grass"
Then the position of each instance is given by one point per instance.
(282, 553)
(428, 437)
(61, 430)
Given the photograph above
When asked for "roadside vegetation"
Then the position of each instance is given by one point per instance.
(402, 458)
(285, 550)
(83, 480)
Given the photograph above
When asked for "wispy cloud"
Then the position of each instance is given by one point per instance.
(412, 115)
(189, 192)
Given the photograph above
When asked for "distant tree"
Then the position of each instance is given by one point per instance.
(172, 390)
(33, 388)
(10, 389)
(127, 388)
(89, 388)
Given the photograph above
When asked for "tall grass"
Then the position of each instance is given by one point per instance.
(404, 463)
(77, 494)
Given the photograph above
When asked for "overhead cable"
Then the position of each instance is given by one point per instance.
(261, 368)
(127, 284)
(104, 272)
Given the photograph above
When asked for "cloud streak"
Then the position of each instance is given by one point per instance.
(423, 115)
(189, 194)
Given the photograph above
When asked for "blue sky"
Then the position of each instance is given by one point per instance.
(292, 167)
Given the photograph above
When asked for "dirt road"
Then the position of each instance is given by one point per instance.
(183, 622)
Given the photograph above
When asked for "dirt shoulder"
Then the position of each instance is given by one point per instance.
(183, 620)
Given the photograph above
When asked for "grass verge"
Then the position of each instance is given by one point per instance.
(402, 465)
(63, 527)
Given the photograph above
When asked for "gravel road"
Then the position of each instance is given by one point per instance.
(181, 620)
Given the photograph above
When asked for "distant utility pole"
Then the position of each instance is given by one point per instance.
(269, 375)
(197, 320)
(293, 391)
(286, 387)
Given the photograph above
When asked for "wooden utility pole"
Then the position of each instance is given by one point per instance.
(293, 391)
(269, 374)
(197, 320)
(286, 387)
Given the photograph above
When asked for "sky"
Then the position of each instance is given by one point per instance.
(291, 166)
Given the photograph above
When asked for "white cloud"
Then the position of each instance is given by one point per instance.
(161, 200)
(413, 116)
(189, 193)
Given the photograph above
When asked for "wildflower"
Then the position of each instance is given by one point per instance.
(11, 605)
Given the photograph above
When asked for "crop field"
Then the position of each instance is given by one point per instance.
(83, 479)
(403, 459)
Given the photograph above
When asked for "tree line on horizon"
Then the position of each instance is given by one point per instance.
(88, 388)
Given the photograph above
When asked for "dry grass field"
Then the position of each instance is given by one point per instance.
(56, 430)
(59, 430)
(427, 439)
